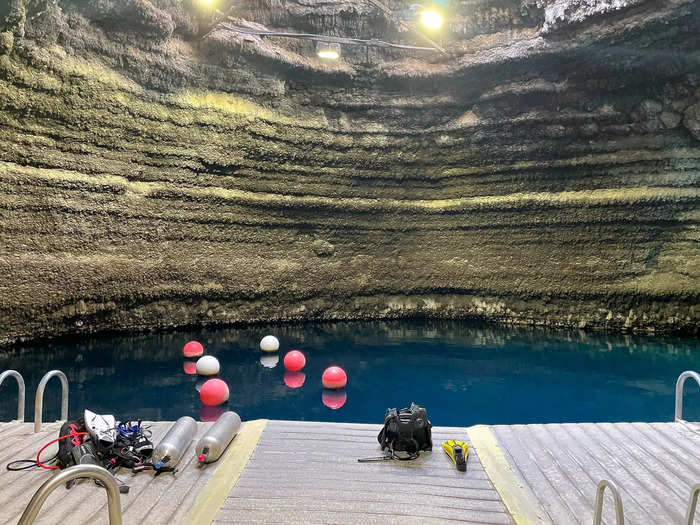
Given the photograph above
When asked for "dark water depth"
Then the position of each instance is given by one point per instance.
(461, 372)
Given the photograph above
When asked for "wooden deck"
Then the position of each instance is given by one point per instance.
(302, 472)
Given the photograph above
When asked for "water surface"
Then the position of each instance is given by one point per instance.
(463, 373)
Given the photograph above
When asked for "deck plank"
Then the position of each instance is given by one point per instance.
(396, 488)
(418, 509)
(327, 517)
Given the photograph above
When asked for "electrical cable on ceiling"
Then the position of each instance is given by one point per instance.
(373, 42)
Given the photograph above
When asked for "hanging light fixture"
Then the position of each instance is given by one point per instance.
(328, 50)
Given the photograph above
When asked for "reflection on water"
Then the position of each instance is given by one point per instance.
(464, 373)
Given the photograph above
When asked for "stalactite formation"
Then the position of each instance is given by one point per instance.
(158, 171)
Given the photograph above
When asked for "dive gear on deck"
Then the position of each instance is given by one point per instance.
(458, 451)
(171, 448)
(102, 428)
(386, 457)
(406, 430)
(75, 430)
(85, 454)
(123, 445)
(217, 438)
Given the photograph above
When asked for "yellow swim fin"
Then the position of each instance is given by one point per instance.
(458, 452)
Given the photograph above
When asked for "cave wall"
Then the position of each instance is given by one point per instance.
(158, 171)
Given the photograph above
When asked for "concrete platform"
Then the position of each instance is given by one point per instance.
(303, 472)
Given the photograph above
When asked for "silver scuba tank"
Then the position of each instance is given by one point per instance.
(220, 434)
(174, 444)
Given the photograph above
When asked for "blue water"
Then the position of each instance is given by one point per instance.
(463, 373)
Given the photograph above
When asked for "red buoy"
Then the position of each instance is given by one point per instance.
(214, 392)
(193, 349)
(190, 367)
(294, 379)
(294, 361)
(334, 399)
(334, 377)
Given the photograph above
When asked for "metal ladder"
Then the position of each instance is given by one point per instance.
(39, 397)
(619, 515)
(695, 490)
(679, 391)
(600, 491)
(692, 504)
(79, 471)
(20, 391)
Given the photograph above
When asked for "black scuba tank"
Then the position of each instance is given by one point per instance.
(65, 456)
(84, 454)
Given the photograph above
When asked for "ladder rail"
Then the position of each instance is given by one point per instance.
(600, 492)
(39, 397)
(692, 504)
(79, 471)
(21, 390)
(679, 391)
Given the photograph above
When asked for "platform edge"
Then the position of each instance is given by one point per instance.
(518, 498)
(231, 465)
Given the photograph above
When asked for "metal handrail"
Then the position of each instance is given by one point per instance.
(20, 390)
(692, 504)
(679, 391)
(619, 516)
(79, 471)
(39, 397)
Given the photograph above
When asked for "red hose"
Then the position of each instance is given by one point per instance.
(38, 461)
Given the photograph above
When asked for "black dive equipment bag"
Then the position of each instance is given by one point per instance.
(70, 449)
(406, 430)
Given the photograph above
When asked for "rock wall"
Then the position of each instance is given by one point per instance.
(157, 170)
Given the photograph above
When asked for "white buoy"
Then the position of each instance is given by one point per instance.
(269, 361)
(269, 343)
(207, 365)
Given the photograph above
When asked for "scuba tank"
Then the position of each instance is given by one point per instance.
(174, 444)
(218, 437)
(84, 454)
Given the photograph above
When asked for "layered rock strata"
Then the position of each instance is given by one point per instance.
(157, 170)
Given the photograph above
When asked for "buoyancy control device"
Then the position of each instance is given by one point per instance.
(407, 430)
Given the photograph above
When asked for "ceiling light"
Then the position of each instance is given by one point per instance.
(328, 50)
(431, 19)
